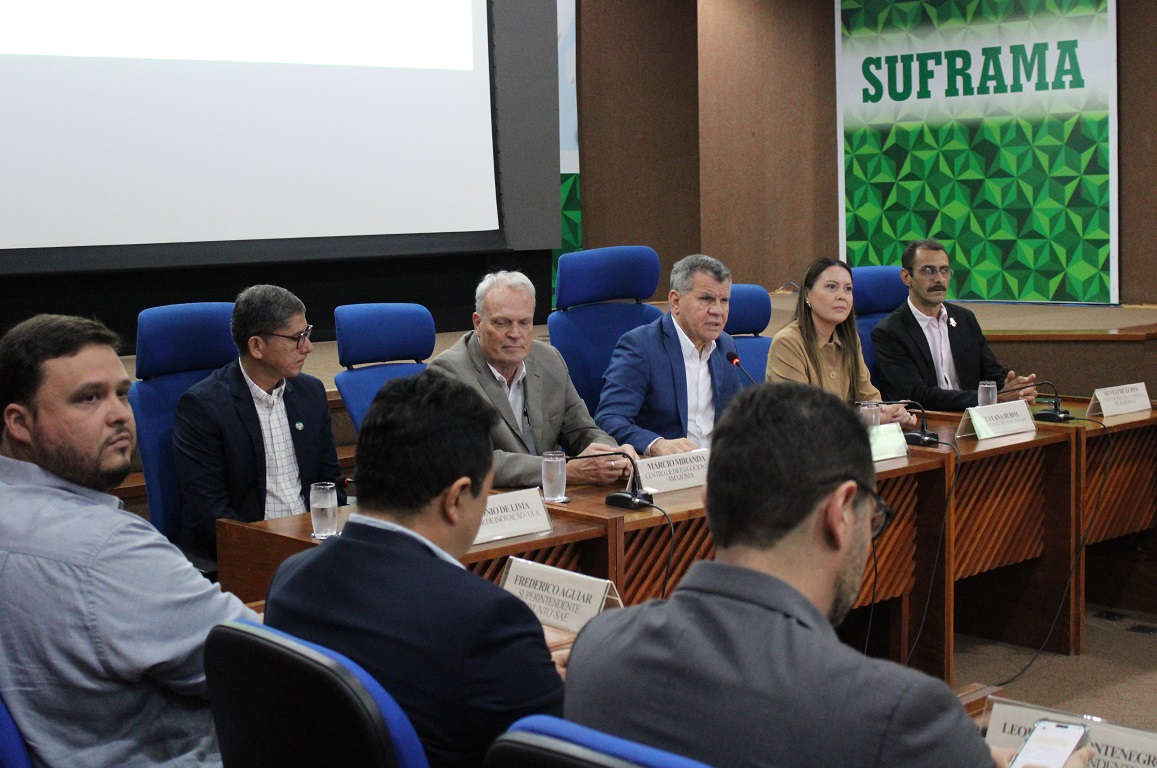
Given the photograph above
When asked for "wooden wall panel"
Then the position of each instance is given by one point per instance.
(638, 100)
(767, 140)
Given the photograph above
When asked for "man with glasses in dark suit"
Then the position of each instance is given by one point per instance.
(933, 352)
(741, 666)
(253, 436)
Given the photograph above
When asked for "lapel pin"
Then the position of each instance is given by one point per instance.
(951, 321)
(301, 426)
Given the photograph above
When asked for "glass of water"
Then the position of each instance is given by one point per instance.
(323, 509)
(986, 393)
(554, 476)
(870, 413)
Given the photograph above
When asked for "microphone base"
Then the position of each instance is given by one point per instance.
(921, 438)
(628, 500)
(1053, 416)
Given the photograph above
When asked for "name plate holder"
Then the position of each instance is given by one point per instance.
(517, 513)
(674, 472)
(559, 598)
(887, 442)
(1117, 401)
(1009, 723)
(996, 420)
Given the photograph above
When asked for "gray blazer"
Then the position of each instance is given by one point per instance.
(558, 416)
(739, 669)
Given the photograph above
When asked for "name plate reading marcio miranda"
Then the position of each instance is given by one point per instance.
(675, 472)
(997, 420)
(559, 598)
(887, 442)
(1117, 401)
(1114, 745)
(517, 513)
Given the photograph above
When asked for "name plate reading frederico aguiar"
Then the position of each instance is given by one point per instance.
(675, 472)
(997, 420)
(1117, 401)
(517, 513)
(559, 598)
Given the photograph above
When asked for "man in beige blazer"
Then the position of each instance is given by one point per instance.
(528, 383)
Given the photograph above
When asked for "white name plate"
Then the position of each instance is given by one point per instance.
(1116, 401)
(517, 513)
(674, 472)
(559, 598)
(997, 420)
(887, 442)
(1114, 745)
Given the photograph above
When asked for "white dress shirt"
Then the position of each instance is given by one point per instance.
(936, 332)
(516, 396)
(377, 522)
(282, 475)
(700, 396)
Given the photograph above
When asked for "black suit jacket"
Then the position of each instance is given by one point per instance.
(904, 367)
(221, 455)
(463, 657)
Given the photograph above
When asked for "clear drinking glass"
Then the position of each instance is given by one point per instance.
(554, 476)
(986, 393)
(870, 413)
(323, 509)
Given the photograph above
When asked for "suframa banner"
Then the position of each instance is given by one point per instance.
(990, 126)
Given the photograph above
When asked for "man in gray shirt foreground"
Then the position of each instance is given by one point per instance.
(103, 620)
(741, 667)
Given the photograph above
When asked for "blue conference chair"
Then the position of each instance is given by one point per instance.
(279, 700)
(377, 337)
(542, 741)
(748, 316)
(876, 291)
(13, 751)
(177, 346)
(600, 297)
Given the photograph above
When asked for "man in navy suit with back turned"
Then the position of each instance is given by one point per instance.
(933, 352)
(669, 381)
(253, 436)
(463, 657)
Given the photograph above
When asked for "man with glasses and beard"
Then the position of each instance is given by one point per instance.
(742, 666)
(252, 437)
(933, 352)
(102, 620)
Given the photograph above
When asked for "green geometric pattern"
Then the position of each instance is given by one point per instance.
(872, 17)
(1023, 205)
(572, 223)
(1023, 208)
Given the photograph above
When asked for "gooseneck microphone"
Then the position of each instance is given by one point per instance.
(632, 498)
(734, 360)
(923, 435)
(1054, 414)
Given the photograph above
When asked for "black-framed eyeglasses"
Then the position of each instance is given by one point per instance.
(882, 512)
(929, 271)
(297, 338)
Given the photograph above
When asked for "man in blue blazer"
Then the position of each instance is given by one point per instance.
(669, 381)
(253, 436)
(463, 657)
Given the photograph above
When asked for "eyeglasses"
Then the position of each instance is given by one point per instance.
(882, 512)
(929, 271)
(297, 338)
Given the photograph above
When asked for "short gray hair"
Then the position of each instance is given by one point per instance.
(261, 309)
(684, 271)
(504, 279)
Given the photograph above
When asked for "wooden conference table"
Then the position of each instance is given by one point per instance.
(1009, 549)
(628, 547)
